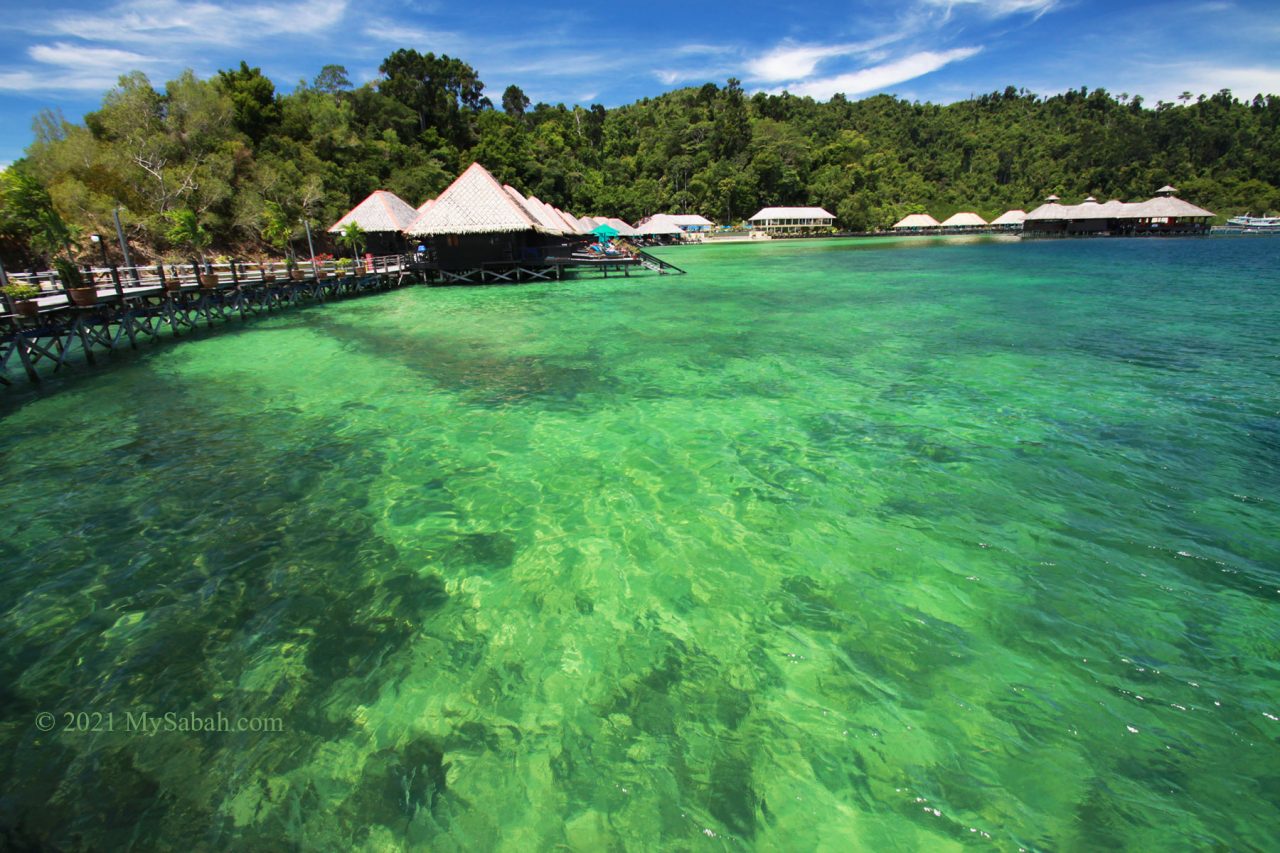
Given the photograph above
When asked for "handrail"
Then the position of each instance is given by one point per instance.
(152, 276)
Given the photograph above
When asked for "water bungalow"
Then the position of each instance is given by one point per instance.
(785, 221)
(383, 217)
(1010, 220)
(658, 227)
(477, 221)
(691, 223)
(1165, 214)
(966, 221)
(480, 231)
(916, 222)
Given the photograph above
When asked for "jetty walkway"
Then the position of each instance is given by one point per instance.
(121, 306)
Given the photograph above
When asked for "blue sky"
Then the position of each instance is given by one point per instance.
(66, 54)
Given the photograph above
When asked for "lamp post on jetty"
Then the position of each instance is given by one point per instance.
(124, 246)
(311, 247)
(96, 239)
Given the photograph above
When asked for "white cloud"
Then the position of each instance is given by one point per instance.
(998, 8)
(73, 68)
(155, 22)
(42, 81)
(880, 76)
(797, 61)
(87, 58)
(387, 31)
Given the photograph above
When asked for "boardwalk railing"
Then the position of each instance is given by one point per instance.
(116, 306)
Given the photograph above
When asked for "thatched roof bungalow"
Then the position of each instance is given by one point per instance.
(1163, 214)
(963, 221)
(915, 222)
(383, 217)
(477, 221)
(691, 223)
(1010, 220)
(659, 225)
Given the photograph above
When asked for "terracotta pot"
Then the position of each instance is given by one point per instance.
(296, 275)
(210, 281)
(267, 275)
(28, 308)
(172, 285)
(85, 297)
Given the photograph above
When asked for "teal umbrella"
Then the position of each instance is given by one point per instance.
(605, 231)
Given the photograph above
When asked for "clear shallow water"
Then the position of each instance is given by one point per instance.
(825, 545)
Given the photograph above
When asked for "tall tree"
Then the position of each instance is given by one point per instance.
(514, 101)
(253, 99)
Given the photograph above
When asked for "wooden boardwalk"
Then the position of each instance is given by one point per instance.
(126, 306)
(122, 306)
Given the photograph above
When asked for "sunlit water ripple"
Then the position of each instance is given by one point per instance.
(826, 545)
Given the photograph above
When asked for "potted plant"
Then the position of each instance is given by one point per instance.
(343, 265)
(292, 267)
(172, 279)
(80, 293)
(23, 297)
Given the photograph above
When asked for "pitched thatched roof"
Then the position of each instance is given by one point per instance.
(656, 225)
(475, 203)
(381, 212)
(1166, 189)
(963, 220)
(624, 230)
(543, 212)
(687, 219)
(1048, 210)
(1010, 217)
(1155, 208)
(1166, 206)
(791, 213)
(426, 205)
(917, 220)
(570, 224)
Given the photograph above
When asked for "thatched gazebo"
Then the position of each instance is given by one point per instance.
(477, 221)
(1010, 220)
(964, 220)
(382, 216)
(915, 222)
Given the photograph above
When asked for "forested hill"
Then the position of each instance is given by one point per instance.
(245, 159)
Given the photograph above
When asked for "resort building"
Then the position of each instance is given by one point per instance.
(966, 221)
(691, 223)
(383, 217)
(658, 226)
(916, 222)
(1163, 214)
(477, 221)
(1010, 220)
(663, 223)
(792, 220)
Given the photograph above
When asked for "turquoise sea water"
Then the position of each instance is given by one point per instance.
(825, 545)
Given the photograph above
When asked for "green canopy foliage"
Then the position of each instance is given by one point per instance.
(232, 151)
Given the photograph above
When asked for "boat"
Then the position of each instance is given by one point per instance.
(1253, 225)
